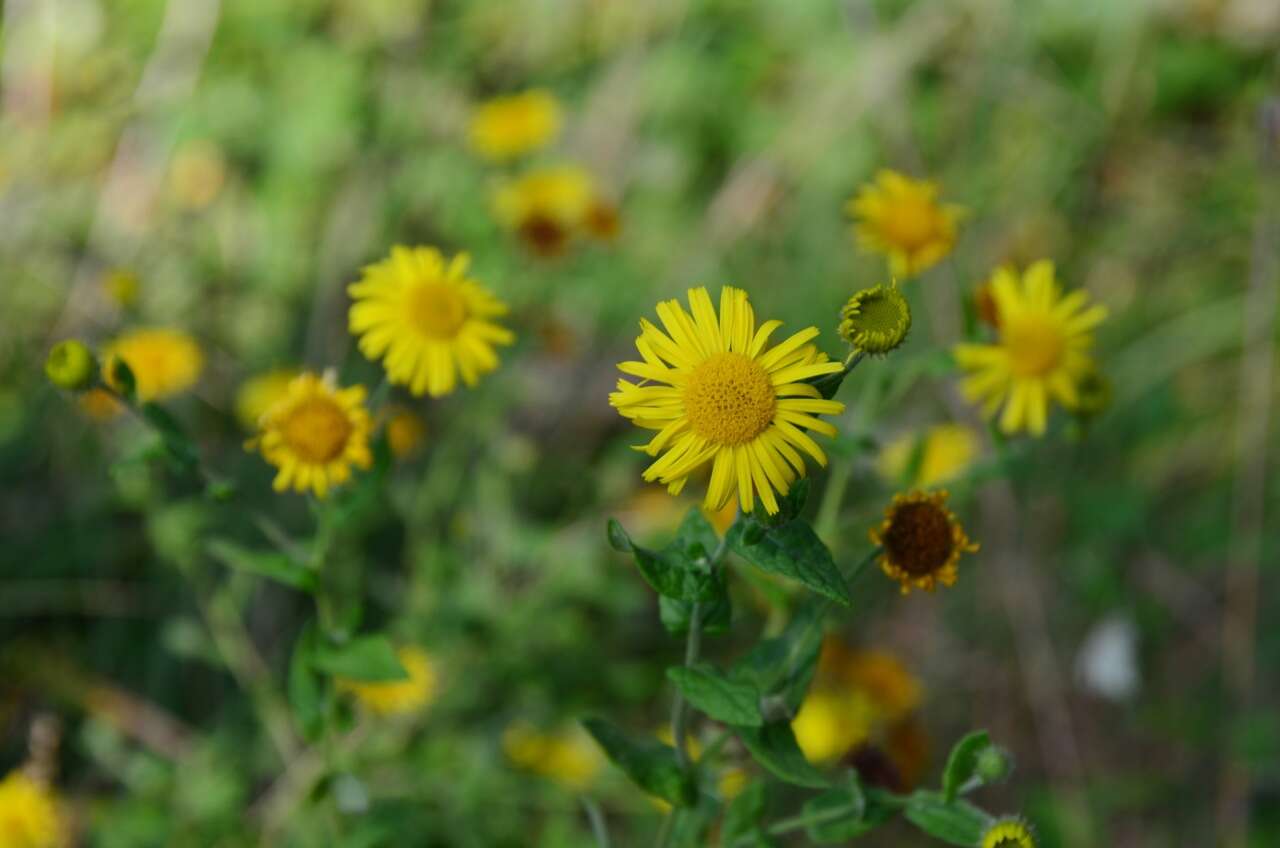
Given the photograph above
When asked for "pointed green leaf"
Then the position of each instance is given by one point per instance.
(270, 564)
(721, 698)
(773, 746)
(366, 658)
(305, 694)
(716, 614)
(955, 822)
(962, 763)
(837, 815)
(649, 763)
(793, 550)
(744, 813)
(783, 666)
(670, 571)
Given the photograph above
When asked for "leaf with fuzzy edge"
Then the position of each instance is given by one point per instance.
(649, 763)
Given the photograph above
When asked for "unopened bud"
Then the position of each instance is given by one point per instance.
(71, 365)
(993, 765)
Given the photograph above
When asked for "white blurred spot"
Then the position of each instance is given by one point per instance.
(1107, 664)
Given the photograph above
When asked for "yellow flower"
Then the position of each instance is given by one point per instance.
(547, 207)
(879, 675)
(831, 723)
(314, 434)
(1042, 352)
(732, 781)
(719, 398)
(28, 814)
(261, 392)
(566, 755)
(122, 287)
(922, 541)
(945, 452)
(1009, 833)
(99, 404)
(427, 320)
(163, 362)
(902, 218)
(405, 432)
(399, 697)
(507, 127)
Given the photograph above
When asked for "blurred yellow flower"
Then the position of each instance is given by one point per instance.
(879, 675)
(399, 697)
(198, 173)
(406, 431)
(510, 126)
(831, 723)
(546, 207)
(566, 755)
(1042, 352)
(261, 392)
(921, 541)
(732, 781)
(28, 814)
(1008, 833)
(945, 452)
(164, 362)
(427, 320)
(902, 218)
(314, 434)
(717, 397)
(121, 286)
(99, 404)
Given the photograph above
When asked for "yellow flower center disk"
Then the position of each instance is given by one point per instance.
(1035, 346)
(436, 310)
(729, 399)
(910, 222)
(919, 538)
(317, 430)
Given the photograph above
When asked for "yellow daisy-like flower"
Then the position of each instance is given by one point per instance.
(718, 396)
(507, 127)
(547, 207)
(314, 434)
(406, 431)
(427, 320)
(567, 756)
(1042, 352)
(1009, 833)
(164, 362)
(946, 451)
(399, 697)
(29, 815)
(902, 218)
(893, 689)
(922, 541)
(261, 392)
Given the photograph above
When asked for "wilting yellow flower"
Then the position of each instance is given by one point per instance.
(405, 431)
(122, 287)
(28, 814)
(198, 174)
(427, 320)
(922, 541)
(261, 392)
(718, 397)
(314, 434)
(507, 127)
(902, 218)
(1042, 352)
(399, 697)
(1009, 833)
(546, 207)
(566, 755)
(164, 362)
(945, 452)
(831, 723)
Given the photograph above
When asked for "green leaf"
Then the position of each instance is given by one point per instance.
(270, 564)
(649, 763)
(954, 822)
(783, 666)
(773, 746)
(962, 763)
(717, 613)
(120, 377)
(721, 698)
(367, 658)
(177, 444)
(695, 529)
(790, 506)
(305, 695)
(838, 814)
(670, 571)
(793, 550)
(744, 813)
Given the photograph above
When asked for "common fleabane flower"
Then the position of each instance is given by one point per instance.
(1041, 353)
(903, 219)
(921, 541)
(427, 320)
(1008, 833)
(719, 396)
(164, 362)
(507, 127)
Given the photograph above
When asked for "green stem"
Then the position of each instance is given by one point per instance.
(596, 817)
(679, 709)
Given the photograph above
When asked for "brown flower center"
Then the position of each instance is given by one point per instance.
(437, 310)
(544, 235)
(729, 399)
(316, 430)
(919, 538)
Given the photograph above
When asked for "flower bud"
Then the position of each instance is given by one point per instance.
(875, 320)
(71, 365)
(993, 764)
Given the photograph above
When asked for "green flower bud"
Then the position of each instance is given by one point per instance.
(71, 365)
(993, 765)
(875, 320)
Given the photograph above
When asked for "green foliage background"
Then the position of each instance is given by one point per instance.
(1120, 139)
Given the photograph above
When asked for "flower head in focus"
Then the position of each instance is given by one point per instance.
(875, 320)
(921, 541)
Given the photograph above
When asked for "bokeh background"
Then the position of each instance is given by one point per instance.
(242, 160)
